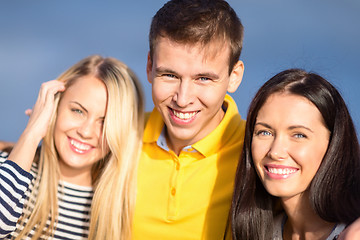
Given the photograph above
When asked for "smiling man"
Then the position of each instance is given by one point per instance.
(194, 135)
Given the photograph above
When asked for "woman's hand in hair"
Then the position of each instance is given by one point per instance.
(24, 150)
(42, 111)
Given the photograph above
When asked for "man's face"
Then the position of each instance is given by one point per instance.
(189, 83)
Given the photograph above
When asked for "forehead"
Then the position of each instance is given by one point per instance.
(86, 82)
(191, 59)
(86, 89)
(286, 108)
(208, 51)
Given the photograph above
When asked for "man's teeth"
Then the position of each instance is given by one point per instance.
(283, 171)
(80, 146)
(184, 116)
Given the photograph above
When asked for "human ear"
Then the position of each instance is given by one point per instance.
(149, 68)
(236, 76)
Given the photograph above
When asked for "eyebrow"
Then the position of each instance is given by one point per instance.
(263, 124)
(81, 106)
(204, 74)
(290, 128)
(167, 70)
(300, 126)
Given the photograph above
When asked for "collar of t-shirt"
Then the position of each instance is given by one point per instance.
(161, 142)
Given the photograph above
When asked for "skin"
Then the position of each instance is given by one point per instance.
(189, 83)
(78, 129)
(289, 142)
(5, 145)
(80, 115)
(351, 232)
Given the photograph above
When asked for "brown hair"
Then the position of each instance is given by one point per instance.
(198, 21)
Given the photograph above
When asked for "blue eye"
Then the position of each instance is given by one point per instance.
(263, 133)
(76, 110)
(169, 75)
(204, 79)
(299, 135)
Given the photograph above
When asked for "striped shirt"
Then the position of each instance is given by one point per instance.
(15, 187)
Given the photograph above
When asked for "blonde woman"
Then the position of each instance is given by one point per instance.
(83, 183)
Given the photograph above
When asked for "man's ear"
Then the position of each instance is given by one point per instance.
(149, 68)
(236, 76)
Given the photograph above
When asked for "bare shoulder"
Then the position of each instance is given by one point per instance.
(351, 232)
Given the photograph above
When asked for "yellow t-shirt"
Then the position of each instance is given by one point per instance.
(187, 196)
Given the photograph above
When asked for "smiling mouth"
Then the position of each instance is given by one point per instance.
(79, 147)
(281, 171)
(184, 116)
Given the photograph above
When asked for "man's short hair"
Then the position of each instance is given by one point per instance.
(198, 21)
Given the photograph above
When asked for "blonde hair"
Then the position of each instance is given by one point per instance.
(114, 177)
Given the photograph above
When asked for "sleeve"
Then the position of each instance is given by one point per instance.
(14, 182)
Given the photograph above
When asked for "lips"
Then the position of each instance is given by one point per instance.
(280, 172)
(79, 147)
(183, 117)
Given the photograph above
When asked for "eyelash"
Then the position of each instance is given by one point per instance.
(169, 75)
(300, 135)
(76, 110)
(263, 133)
(203, 79)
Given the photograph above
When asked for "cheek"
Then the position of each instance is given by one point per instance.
(209, 97)
(318, 156)
(59, 127)
(64, 123)
(60, 137)
(161, 91)
(259, 152)
(309, 158)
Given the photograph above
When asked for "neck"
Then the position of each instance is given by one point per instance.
(176, 146)
(303, 222)
(81, 177)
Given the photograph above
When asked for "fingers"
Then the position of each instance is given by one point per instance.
(49, 89)
(47, 94)
(28, 112)
(42, 111)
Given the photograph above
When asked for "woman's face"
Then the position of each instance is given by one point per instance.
(79, 126)
(289, 142)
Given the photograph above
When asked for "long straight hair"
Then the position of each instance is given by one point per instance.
(114, 177)
(335, 188)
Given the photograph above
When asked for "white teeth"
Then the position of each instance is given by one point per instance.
(184, 116)
(80, 146)
(282, 171)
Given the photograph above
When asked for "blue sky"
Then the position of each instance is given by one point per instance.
(40, 39)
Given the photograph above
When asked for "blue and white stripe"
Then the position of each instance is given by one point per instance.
(74, 203)
(14, 182)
